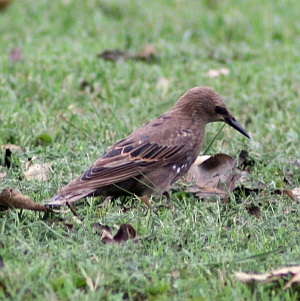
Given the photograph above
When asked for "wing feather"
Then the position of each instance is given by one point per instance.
(124, 162)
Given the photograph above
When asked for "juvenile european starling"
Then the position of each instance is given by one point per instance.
(153, 157)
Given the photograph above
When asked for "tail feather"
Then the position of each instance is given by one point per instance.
(61, 199)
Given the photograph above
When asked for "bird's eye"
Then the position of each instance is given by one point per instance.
(220, 110)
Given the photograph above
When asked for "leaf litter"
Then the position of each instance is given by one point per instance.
(273, 276)
(125, 232)
(13, 199)
(147, 54)
(212, 176)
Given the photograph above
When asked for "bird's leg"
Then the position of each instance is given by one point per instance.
(168, 203)
(167, 195)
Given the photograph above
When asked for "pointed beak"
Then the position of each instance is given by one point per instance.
(232, 122)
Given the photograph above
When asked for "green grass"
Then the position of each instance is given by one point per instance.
(192, 251)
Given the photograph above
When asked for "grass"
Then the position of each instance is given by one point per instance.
(190, 252)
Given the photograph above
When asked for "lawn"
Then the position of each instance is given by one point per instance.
(60, 103)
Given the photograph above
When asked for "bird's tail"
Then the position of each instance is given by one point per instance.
(61, 198)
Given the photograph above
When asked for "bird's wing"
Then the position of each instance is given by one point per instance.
(124, 162)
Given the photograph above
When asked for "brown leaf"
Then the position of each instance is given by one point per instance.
(16, 55)
(217, 73)
(163, 84)
(10, 198)
(147, 54)
(271, 276)
(214, 176)
(4, 3)
(290, 194)
(126, 232)
(114, 55)
(38, 171)
(296, 193)
(288, 177)
(254, 210)
(294, 280)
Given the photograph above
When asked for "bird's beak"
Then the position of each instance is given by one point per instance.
(232, 122)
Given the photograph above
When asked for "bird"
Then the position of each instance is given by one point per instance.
(149, 160)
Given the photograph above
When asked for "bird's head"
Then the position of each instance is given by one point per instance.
(205, 105)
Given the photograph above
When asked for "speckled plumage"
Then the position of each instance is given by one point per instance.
(153, 157)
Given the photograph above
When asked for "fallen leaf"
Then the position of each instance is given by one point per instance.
(254, 210)
(104, 232)
(290, 194)
(296, 193)
(295, 279)
(288, 177)
(147, 54)
(125, 232)
(114, 55)
(84, 84)
(16, 55)
(4, 3)
(272, 276)
(12, 199)
(206, 191)
(38, 171)
(163, 84)
(216, 73)
(201, 159)
(215, 175)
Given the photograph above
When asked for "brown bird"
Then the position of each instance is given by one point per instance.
(153, 157)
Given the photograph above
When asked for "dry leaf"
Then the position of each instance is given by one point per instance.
(114, 55)
(290, 194)
(4, 3)
(38, 171)
(216, 73)
(163, 84)
(147, 54)
(16, 55)
(271, 276)
(296, 193)
(254, 210)
(10, 198)
(213, 176)
(201, 159)
(125, 232)
(207, 191)
(294, 280)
